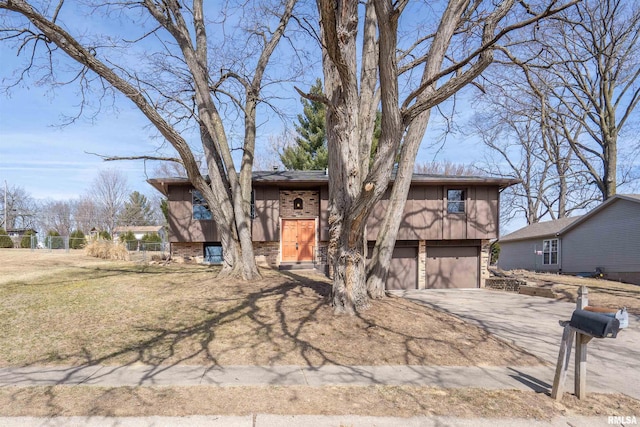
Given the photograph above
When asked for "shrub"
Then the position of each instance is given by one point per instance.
(104, 235)
(130, 240)
(77, 240)
(107, 249)
(53, 240)
(26, 239)
(152, 241)
(495, 252)
(5, 240)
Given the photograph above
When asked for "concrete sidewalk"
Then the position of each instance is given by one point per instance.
(264, 420)
(489, 377)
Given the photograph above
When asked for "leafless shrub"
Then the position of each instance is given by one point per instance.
(107, 250)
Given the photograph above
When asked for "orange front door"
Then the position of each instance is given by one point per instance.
(298, 239)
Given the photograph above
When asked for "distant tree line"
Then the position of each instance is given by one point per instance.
(107, 203)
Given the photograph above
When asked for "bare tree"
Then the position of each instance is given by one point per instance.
(589, 63)
(457, 49)
(86, 214)
(20, 210)
(447, 168)
(57, 216)
(109, 191)
(519, 126)
(174, 87)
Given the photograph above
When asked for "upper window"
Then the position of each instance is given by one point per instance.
(455, 201)
(200, 206)
(297, 203)
(550, 252)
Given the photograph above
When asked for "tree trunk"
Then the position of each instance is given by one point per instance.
(380, 261)
(378, 266)
(610, 165)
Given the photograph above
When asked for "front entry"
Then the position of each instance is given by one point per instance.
(298, 239)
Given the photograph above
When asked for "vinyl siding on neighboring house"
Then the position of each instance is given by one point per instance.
(609, 239)
(521, 254)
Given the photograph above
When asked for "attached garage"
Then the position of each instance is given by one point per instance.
(403, 271)
(452, 267)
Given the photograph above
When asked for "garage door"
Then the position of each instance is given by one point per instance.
(403, 272)
(452, 267)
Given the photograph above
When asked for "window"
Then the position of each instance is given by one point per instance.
(200, 206)
(297, 203)
(550, 252)
(213, 254)
(455, 201)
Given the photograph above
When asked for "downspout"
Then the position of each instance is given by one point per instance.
(559, 253)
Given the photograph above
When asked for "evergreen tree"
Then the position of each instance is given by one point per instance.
(164, 207)
(137, 211)
(5, 240)
(77, 240)
(54, 240)
(129, 239)
(104, 235)
(310, 149)
(25, 242)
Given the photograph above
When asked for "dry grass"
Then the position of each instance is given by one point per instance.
(397, 401)
(602, 293)
(107, 249)
(77, 311)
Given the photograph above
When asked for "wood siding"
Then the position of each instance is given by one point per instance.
(265, 225)
(182, 226)
(425, 215)
(609, 239)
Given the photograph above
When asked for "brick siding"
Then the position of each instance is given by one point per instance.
(310, 204)
(187, 250)
(485, 259)
(266, 253)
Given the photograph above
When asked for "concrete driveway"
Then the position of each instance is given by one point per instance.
(613, 365)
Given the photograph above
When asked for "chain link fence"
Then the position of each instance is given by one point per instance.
(139, 250)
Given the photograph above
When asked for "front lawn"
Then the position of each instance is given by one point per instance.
(69, 309)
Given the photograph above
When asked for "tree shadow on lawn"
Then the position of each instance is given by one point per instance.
(286, 320)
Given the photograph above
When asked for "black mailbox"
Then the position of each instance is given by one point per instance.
(595, 324)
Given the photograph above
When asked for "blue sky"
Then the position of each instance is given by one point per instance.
(53, 161)
(50, 161)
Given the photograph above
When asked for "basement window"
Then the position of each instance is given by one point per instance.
(213, 253)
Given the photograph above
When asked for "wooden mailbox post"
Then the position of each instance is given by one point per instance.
(582, 338)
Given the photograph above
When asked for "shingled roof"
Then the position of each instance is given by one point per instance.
(562, 225)
(278, 177)
(539, 229)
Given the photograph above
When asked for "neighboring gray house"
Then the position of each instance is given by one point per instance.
(608, 238)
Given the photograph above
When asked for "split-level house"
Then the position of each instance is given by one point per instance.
(443, 241)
